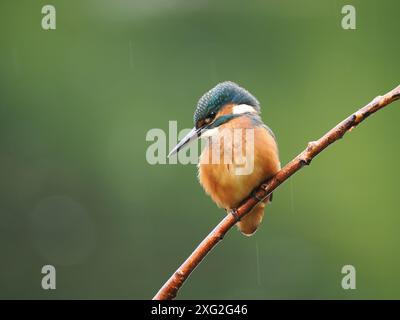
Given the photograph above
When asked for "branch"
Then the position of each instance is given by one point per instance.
(171, 287)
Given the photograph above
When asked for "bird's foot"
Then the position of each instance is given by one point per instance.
(234, 213)
(254, 195)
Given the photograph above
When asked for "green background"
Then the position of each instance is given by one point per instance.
(77, 192)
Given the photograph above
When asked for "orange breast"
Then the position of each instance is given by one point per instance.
(221, 180)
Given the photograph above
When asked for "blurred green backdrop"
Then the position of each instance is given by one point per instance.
(76, 189)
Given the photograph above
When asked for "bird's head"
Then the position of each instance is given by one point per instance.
(224, 102)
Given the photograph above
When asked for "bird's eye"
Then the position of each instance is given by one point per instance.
(210, 117)
(207, 120)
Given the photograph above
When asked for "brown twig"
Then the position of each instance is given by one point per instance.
(171, 287)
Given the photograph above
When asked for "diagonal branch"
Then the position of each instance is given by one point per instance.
(171, 287)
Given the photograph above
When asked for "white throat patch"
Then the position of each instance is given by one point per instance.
(209, 133)
(243, 108)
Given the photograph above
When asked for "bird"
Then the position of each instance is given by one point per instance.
(226, 108)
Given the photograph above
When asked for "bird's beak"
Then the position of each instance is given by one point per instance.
(193, 135)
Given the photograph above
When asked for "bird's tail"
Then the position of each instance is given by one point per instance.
(249, 223)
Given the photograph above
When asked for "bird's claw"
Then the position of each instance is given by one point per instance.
(234, 213)
(255, 196)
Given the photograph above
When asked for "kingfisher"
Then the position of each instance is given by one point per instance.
(224, 109)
